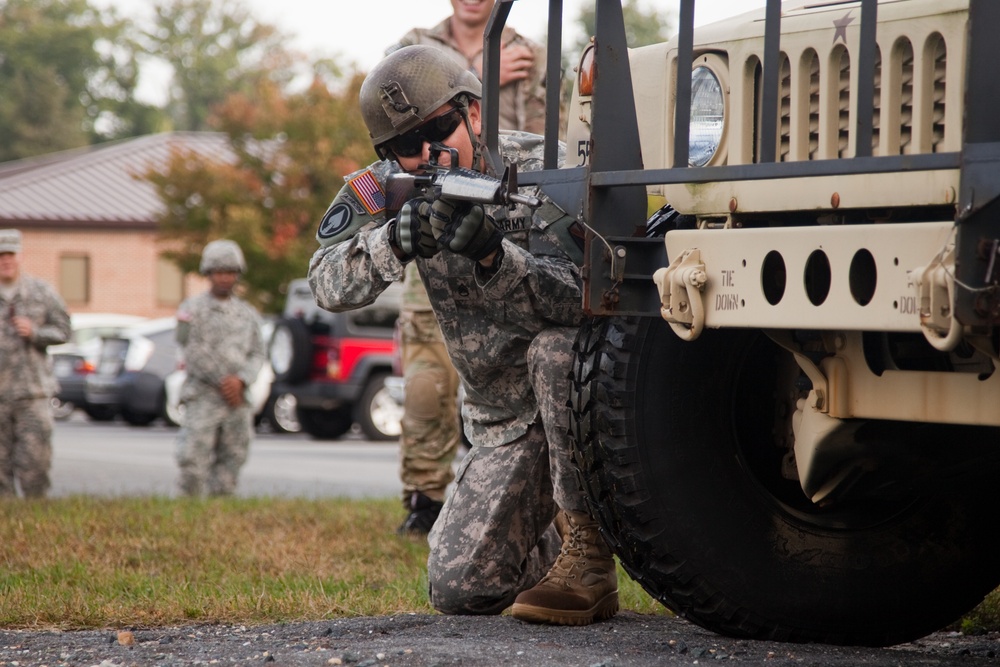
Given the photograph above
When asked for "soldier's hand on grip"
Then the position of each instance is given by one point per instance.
(413, 232)
(464, 228)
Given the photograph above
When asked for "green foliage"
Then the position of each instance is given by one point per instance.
(291, 152)
(642, 26)
(984, 618)
(46, 51)
(68, 74)
(69, 71)
(216, 49)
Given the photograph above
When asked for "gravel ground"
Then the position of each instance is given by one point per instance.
(428, 640)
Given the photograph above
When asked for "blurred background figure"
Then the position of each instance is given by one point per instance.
(219, 334)
(33, 317)
(522, 61)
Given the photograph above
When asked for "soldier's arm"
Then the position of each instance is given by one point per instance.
(56, 328)
(355, 262)
(255, 353)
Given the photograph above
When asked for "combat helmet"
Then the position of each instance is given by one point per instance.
(222, 255)
(407, 86)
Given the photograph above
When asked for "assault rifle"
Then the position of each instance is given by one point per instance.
(455, 183)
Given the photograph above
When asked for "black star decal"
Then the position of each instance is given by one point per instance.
(841, 27)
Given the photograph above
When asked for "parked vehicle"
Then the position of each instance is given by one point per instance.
(784, 403)
(335, 364)
(75, 359)
(277, 410)
(131, 370)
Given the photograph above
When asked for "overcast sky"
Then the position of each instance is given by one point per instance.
(359, 31)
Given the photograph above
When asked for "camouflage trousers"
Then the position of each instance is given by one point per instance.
(213, 445)
(25, 446)
(430, 434)
(494, 537)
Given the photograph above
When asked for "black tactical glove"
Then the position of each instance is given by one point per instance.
(464, 228)
(413, 233)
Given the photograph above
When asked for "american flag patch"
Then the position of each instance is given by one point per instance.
(368, 191)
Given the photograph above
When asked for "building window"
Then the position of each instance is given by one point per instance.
(169, 283)
(74, 279)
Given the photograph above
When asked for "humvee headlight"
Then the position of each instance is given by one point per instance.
(708, 116)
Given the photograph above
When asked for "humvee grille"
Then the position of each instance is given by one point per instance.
(909, 130)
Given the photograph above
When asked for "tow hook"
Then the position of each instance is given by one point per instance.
(681, 286)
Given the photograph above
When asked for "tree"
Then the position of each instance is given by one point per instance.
(68, 75)
(290, 153)
(642, 27)
(215, 48)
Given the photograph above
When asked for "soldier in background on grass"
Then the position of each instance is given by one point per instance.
(430, 428)
(33, 317)
(219, 334)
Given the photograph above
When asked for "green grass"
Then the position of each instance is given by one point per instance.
(81, 562)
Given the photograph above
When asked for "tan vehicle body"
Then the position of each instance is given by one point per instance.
(784, 398)
(907, 278)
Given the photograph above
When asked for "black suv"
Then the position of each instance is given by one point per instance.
(335, 364)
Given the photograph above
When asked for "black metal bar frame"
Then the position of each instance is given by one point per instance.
(866, 79)
(771, 84)
(682, 110)
(609, 196)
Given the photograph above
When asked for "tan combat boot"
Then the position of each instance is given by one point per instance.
(581, 587)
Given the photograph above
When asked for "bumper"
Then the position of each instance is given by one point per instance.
(140, 393)
(320, 395)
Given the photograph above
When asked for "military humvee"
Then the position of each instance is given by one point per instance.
(786, 404)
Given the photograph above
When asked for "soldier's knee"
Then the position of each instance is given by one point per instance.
(551, 349)
(465, 603)
(459, 591)
(422, 399)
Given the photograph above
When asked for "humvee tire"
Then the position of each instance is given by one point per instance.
(676, 445)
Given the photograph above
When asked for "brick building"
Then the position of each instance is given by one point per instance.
(89, 224)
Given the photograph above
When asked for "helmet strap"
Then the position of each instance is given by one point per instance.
(462, 103)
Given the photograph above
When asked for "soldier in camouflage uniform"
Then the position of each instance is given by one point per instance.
(522, 61)
(430, 436)
(504, 284)
(32, 317)
(219, 334)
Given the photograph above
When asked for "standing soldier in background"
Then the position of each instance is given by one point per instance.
(223, 352)
(522, 62)
(34, 317)
(430, 434)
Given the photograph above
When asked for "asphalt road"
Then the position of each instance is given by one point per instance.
(114, 459)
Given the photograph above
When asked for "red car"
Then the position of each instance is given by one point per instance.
(335, 364)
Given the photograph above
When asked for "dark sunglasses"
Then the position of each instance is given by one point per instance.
(436, 129)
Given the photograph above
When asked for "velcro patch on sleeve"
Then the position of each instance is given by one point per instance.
(335, 222)
(368, 190)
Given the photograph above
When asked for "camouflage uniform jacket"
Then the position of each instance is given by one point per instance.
(522, 103)
(487, 321)
(219, 337)
(25, 370)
